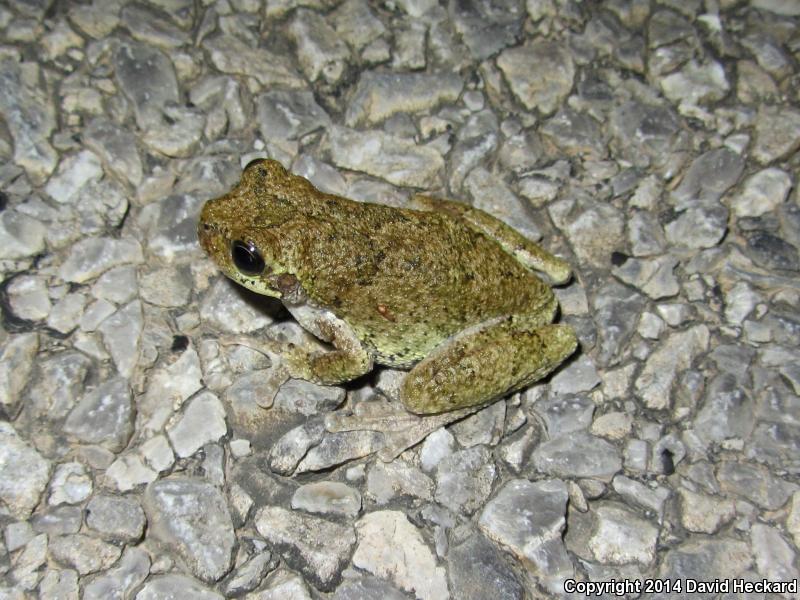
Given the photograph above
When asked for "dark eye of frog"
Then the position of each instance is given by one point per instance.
(247, 258)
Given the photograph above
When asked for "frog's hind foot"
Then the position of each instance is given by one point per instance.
(401, 429)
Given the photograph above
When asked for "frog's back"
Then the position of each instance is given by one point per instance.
(406, 280)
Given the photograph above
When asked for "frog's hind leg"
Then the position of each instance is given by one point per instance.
(486, 362)
(524, 250)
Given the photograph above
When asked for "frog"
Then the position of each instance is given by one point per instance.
(440, 289)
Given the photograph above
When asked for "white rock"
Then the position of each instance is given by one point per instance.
(762, 192)
(23, 473)
(390, 547)
(202, 422)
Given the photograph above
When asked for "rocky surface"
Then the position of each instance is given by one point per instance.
(653, 144)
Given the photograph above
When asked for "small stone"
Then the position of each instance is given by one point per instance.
(676, 353)
(576, 133)
(484, 427)
(231, 55)
(437, 446)
(17, 535)
(727, 410)
(654, 276)
(116, 517)
(476, 570)
(29, 114)
(16, 362)
(579, 376)
(793, 518)
(595, 229)
(165, 587)
(73, 173)
(29, 298)
(249, 575)
(565, 414)
(704, 559)
(191, 518)
(117, 149)
(492, 195)
(306, 398)
(289, 115)
(290, 448)
(91, 257)
(203, 421)
(464, 479)
(118, 582)
(478, 137)
(327, 497)
(704, 514)
(147, 26)
(28, 561)
(367, 588)
(696, 83)
(390, 547)
(531, 534)
(486, 27)
(104, 416)
(226, 310)
(386, 481)
(777, 133)
(316, 547)
(240, 448)
(177, 380)
(121, 332)
(179, 136)
(378, 96)
(409, 46)
(168, 287)
(577, 454)
(540, 74)
(775, 557)
(70, 484)
(282, 584)
(355, 22)
(129, 471)
(320, 51)
(21, 236)
(59, 584)
(61, 520)
(397, 160)
(755, 483)
(613, 425)
(763, 192)
(649, 498)
(651, 326)
(117, 285)
(24, 473)
(771, 252)
(147, 78)
(612, 534)
(83, 553)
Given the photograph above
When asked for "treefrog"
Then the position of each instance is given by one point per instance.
(443, 289)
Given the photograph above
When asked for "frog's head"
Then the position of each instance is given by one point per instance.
(241, 231)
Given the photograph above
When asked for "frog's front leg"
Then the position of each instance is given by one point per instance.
(486, 362)
(349, 359)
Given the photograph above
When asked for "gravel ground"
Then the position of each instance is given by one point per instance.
(653, 144)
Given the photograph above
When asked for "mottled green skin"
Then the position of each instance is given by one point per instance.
(444, 283)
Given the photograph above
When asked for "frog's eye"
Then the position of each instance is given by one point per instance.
(247, 258)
